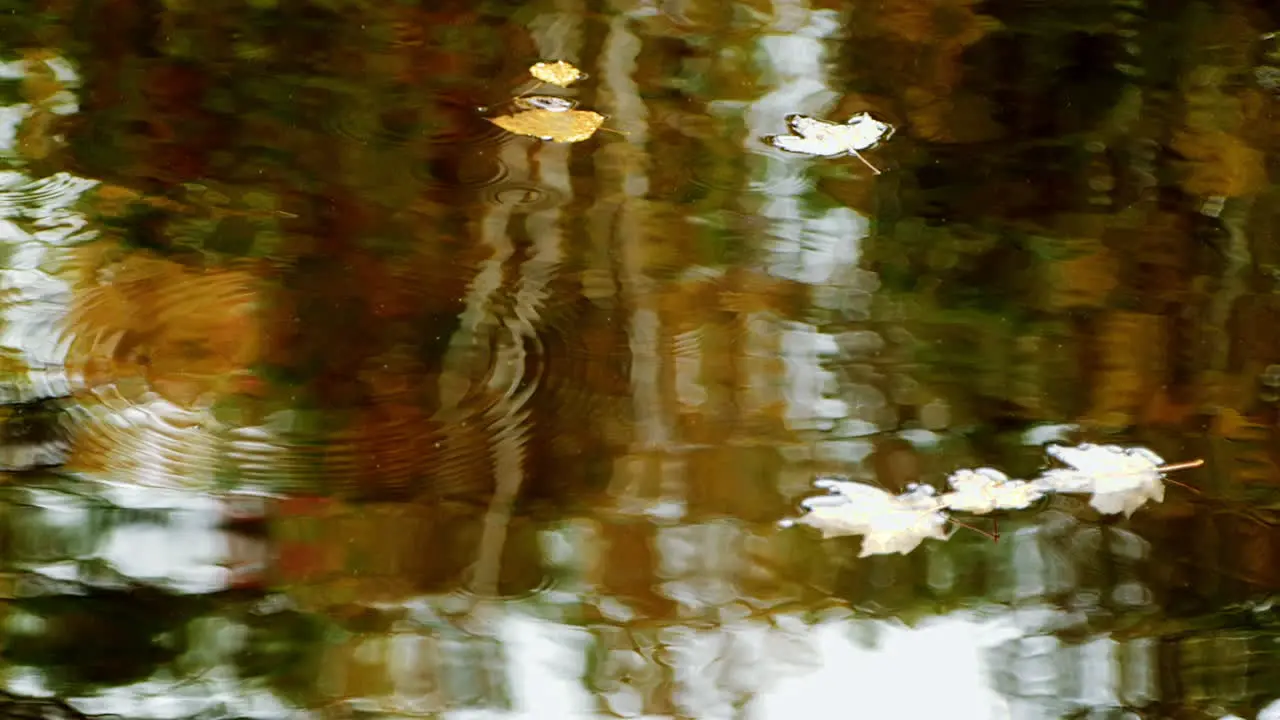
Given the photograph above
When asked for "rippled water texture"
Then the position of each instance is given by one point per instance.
(348, 369)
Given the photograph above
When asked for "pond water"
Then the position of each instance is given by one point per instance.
(349, 370)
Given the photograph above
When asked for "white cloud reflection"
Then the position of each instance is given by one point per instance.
(937, 669)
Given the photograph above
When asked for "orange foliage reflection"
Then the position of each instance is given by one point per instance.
(188, 332)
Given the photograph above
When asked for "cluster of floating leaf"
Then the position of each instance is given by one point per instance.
(557, 119)
(1120, 480)
(548, 117)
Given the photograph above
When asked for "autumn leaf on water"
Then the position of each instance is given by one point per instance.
(986, 490)
(848, 508)
(1120, 479)
(913, 516)
(566, 126)
(556, 73)
(887, 523)
(811, 136)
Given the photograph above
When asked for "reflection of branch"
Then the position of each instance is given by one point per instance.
(14, 705)
(508, 458)
(508, 464)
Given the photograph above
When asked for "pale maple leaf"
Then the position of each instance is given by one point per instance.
(911, 518)
(847, 509)
(1120, 479)
(985, 490)
(811, 136)
(887, 523)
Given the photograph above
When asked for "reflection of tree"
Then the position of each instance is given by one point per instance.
(101, 639)
(1041, 295)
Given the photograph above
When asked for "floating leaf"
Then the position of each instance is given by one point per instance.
(888, 523)
(914, 516)
(847, 509)
(984, 490)
(819, 137)
(567, 126)
(1120, 479)
(556, 73)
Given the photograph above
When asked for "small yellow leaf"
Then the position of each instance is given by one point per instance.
(567, 126)
(556, 73)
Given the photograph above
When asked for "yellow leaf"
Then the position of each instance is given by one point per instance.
(561, 126)
(556, 73)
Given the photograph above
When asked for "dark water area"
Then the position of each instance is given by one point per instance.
(348, 370)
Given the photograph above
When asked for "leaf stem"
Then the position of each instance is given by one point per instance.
(995, 537)
(1181, 466)
(858, 155)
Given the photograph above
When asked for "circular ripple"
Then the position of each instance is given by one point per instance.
(523, 197)
(545, 584)
(18, 192)
(144, 441)
(443, 123)
(467, 173)
(370, 125)
(586, 382)
(395, 443)
(714, 172)
(147, 347)
(160, 325)
(470, 128)
(372, 453)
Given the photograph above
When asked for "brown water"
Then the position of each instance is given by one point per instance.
(326, 396)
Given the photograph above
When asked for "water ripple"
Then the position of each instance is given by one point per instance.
(148, 440)
(523, 197)
(149, 346)
(20, 195)
(380, 452)
(400, 121)
(183, 332)
(758, 173)
(479, 169)
(588, 372)
(396, 445)
(162, 357)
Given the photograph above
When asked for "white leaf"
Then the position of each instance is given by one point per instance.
(847, 510)
(806, 146)
(1120, 479)
(984, 490)
(819, 137)
(902, 529)
(888, 523)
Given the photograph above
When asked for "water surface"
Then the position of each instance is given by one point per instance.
(326, 396)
